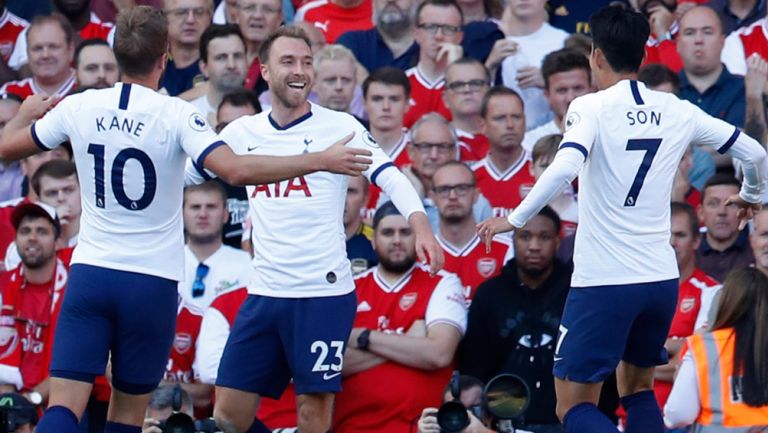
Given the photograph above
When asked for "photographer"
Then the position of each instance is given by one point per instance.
(161, 407)
(471, 397)
(18, 414)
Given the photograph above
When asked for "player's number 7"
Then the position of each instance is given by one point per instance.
(650, 146)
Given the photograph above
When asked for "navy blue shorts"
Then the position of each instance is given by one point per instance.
(603, 325)
(131, 315)
(276, 339)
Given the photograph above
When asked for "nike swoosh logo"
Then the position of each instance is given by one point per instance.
(252, 148)
(557, 358)
(327, 376)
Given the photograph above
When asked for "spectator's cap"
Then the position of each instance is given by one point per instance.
(383, 211)
(35, 208)
(20, 410)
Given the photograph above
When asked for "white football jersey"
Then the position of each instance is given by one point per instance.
(130, 144)
(632, 139)
(298, 231)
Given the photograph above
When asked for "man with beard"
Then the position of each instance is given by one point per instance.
(454, 191)
(95, 65)
(86, 25)
(407, 327)
(222, 61)
(514, 319)
(50, 46)
(302, 274)
(31, 300)
(210, 266)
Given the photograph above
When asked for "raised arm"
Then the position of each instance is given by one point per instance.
(17, 140)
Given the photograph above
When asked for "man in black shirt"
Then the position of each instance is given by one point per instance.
(514, 319)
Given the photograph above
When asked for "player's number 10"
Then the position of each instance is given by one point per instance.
(117, 174)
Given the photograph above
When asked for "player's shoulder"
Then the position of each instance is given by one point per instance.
(442, 276)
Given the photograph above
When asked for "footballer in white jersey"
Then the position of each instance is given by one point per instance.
(297, 318)
(625, 143)
(130, 145)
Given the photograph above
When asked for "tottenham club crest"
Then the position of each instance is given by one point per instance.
(572, 120)
(197, 122)
(486, 266)
(369, 140)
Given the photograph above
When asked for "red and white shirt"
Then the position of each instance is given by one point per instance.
(426, 96)
(399, 156)
(27, 87)
(744, 42)
(27, 325)
(504, 190)
(390, 396)
(334, 20)
(472, 147)
(7, 232)
(180, 365)
(10, 28)
(95, 29)
(216, 325)
(472, 264)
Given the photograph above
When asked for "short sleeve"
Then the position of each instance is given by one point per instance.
(52, 130)
(447, 304)
(233, 135)
(581, 126)
(195, 135)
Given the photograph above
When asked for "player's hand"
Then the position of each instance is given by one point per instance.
(151, 425)
(746, 210)
(490, 228)
(427, 248)
(341, 159)
(502, 49)
(35, 107)
(428, 421)
(757, 75)
(529, 76)
(449, 53)
(661, 19)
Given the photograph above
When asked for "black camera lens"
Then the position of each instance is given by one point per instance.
(452, 417)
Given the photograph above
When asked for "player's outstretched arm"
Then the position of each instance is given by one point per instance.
(260, 169)
(17, 141)
(492, 227)
(427, 248)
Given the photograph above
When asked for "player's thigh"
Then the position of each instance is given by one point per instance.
(317, 337)
(593, 332)
(645, 342)
(127, 409)
(254, 358)
(235, 409)
(85, 325)
(146, 322)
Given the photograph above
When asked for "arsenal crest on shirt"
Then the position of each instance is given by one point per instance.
(407, 300)
(486, 266)
(687, 304)
(182, 342)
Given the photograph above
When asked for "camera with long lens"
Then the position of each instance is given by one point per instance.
(15, 411)
(505, 399)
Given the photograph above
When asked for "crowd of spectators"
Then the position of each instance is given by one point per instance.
(469, 98)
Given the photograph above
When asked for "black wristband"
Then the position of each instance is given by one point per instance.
(363, 340)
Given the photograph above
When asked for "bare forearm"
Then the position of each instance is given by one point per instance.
(356, 360)
(416, 352)
(754, 122)
(259, 169)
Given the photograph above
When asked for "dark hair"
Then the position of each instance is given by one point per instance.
(719, 179)
(656, 74)
(473, 61)
(679, 208)
(564, 60)
(241, 98)
(215, 31)
(466, 382)
(56, 168)
(10, 97)
(440, 4)
(141, 39)
(93, 42)
(548, 212)
(384, 211)
(744, 307)
(54, 18)
(390, 76)
(546, 146)
(162, 397)
(497, 91)
(294, 32)
(211, 186)
(621, 35)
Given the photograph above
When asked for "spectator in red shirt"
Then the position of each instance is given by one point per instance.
(334, 17)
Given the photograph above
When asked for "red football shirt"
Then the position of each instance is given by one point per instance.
(334, 20)
(504, 190)
(10, 28)
(179, 367)
(472, 264)
(426, 96)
